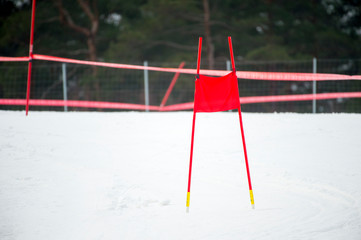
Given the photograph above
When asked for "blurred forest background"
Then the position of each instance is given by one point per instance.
(167, 31)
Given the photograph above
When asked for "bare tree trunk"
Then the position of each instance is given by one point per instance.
(90, 33)
(93, 57)
(208, 38)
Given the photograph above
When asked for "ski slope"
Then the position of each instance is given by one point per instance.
(95, 176)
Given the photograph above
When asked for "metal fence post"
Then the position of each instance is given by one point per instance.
(228, 64)
(65, 90)
(146, 87)
(314, 70)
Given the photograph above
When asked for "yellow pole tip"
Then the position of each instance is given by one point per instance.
(187, 210)
(188, 198)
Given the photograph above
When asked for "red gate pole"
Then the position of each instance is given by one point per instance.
(30, 56)
(242, 131)
(231, 53)
(193, 126)
(245, 157)
(190, 162)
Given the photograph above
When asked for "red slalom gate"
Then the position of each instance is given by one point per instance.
(215, 94)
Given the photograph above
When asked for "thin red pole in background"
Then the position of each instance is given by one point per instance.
(170, 88)
(31, 46)
(193, 126)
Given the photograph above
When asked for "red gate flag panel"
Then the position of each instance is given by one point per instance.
(214, 94)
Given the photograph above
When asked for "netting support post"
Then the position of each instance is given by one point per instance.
(314, 87)
(65, 90)
(146, 87)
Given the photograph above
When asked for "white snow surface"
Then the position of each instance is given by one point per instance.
(85, 175)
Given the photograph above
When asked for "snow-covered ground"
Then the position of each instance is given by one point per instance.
(124, 176)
